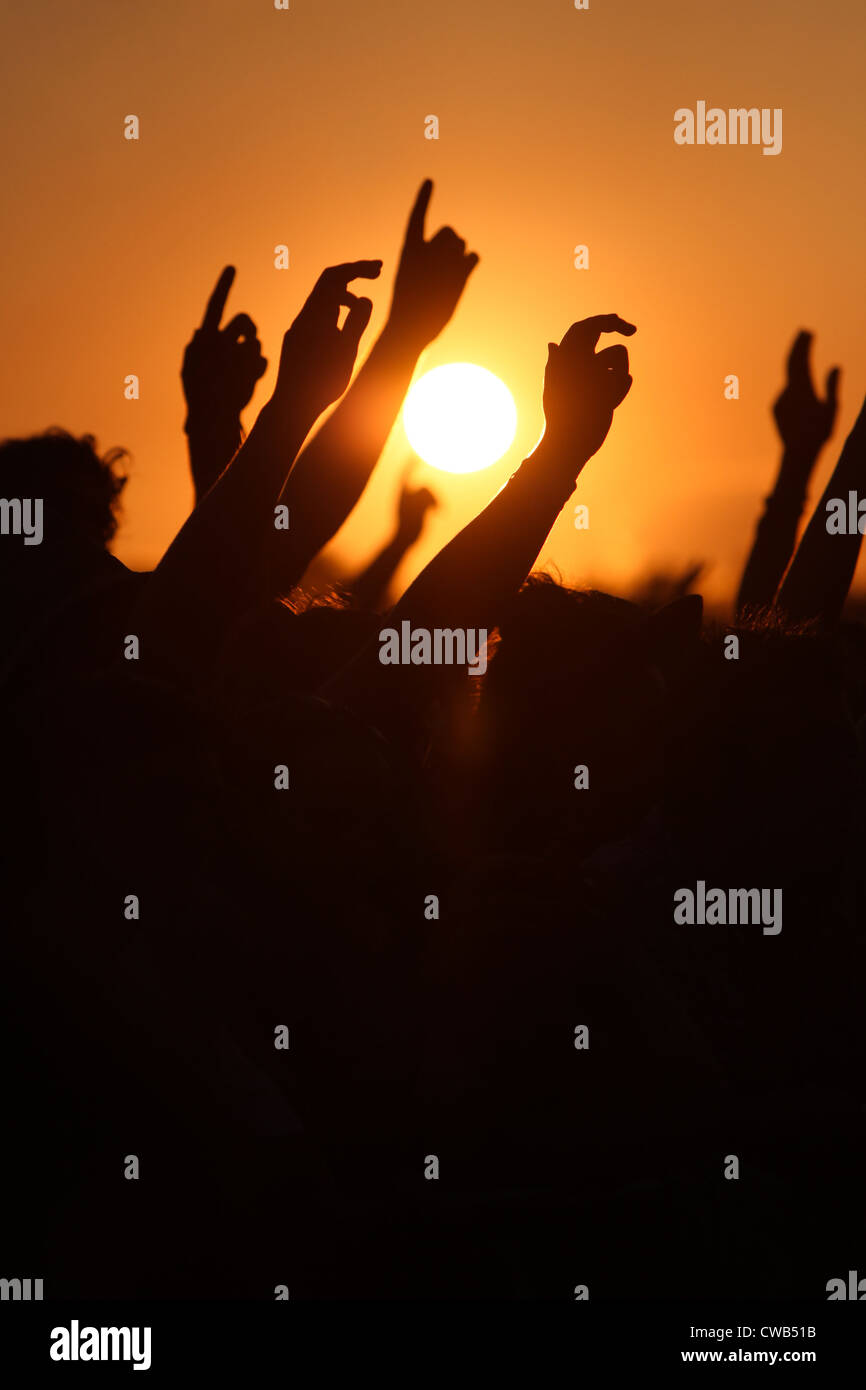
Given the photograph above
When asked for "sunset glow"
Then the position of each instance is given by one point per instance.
(460, 417)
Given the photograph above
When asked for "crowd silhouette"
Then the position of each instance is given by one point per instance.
(428, 899)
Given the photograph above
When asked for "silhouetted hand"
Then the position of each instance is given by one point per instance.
(412, 508)
(370, 589)
(804, 421)
(221, 365)
(820, 574)
(582, 387)
(318, 356)
(430, 277)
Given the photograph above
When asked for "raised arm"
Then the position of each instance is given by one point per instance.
(206, 576)
(805, 423)
(467, 583)
(219, 373)
(818, 581)
(371, 587)
(486, 563)
(334, 468)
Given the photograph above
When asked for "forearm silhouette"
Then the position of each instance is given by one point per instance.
(805, 423)
(821, 572)
(468, 582)
(486, 563)
(370, 589)
(335, 467)
(219, 373)
(206, 577)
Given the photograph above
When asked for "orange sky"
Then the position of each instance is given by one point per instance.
(556, 127)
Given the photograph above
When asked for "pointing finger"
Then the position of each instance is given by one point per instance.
(217, 302)
(415, 225)
(833, 388)
(798, 357)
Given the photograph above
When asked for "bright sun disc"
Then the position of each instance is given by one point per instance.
(460, 417)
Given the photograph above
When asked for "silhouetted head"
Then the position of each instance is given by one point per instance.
(79, 488)
(58, 503)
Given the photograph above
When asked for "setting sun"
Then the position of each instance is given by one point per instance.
(460, 417)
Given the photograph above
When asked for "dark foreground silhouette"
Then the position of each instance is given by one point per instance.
(374, 969)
